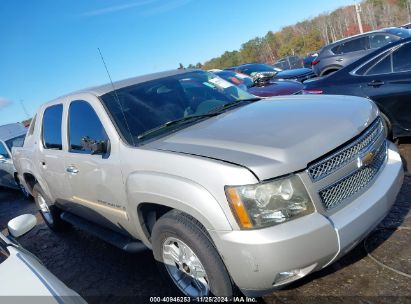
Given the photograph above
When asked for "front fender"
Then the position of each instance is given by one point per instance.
(178, 193)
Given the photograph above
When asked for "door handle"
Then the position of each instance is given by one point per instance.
(376, 83)
(72, 170)
(340, 59)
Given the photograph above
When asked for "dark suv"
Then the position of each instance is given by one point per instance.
(341, 53)
(289, 62)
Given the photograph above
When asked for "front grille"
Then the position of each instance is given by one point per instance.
(344, 155)
(336, 193)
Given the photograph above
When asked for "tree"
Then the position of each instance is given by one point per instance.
(310, 35)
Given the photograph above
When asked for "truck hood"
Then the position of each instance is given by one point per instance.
(275, 136)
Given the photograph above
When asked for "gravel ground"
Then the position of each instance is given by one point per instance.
(104, 274)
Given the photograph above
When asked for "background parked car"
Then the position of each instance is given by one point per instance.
(264, 89)
(289, 62)
(407, 26)
(344, 52)
(294, 74)
(11, 135)
(23, 275)
(309, 59)
(384, 76)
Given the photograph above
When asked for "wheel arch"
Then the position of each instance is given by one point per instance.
(152, 194)
(331, 68)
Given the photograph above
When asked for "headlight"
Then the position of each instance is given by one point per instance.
(269, 203)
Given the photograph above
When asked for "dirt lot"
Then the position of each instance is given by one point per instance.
(104, 274)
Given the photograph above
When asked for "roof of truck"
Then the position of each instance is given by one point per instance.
(12, 130)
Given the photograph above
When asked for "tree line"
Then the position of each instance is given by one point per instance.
(310, 35)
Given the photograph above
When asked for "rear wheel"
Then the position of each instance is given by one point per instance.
(49, 212)
(185, 254)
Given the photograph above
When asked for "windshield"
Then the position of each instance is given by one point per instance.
(236, 78)
(149, 105)
(16, 141)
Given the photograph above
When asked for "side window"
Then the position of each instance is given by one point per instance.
(382, 67)
(85, 128)
(52, 127)
(367, 66)
(358, 44)
(3, 151)
(379, 40)
(402, 59)
(337, 50)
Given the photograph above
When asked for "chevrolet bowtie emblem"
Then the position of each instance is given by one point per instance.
(366, 159)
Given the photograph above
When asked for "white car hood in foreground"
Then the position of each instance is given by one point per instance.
(22, 276)
(275, 136)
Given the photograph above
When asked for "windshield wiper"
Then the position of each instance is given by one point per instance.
(191, 118)
(232, 104)
(176, 122)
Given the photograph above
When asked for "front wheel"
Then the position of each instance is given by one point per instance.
(184, 253)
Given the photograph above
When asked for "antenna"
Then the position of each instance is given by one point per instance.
(116, 97)
(24, 108)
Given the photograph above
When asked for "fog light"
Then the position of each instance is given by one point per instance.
(286, 276)
(292, 275)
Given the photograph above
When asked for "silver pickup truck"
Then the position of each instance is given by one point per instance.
(228, 190)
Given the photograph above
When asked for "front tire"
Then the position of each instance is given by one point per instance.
(49, 212)
(184, 252)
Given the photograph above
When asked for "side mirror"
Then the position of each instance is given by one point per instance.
(21, 225)
(96, 147)
(99, 148)
(2, 157)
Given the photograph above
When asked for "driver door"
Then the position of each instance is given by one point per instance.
(97, 188)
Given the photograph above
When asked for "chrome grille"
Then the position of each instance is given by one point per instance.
(344, 155)
(336, 193)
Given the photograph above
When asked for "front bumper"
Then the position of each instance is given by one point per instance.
(254, 258)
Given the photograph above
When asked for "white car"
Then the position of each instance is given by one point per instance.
(11, 135)
(23, 278)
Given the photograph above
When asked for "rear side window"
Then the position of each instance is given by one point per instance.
(379, 40)
(402, 59)
(366, 67)
(337, 49)
(52, 127)
(355, 45)
(382, 67)
(85, 128)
